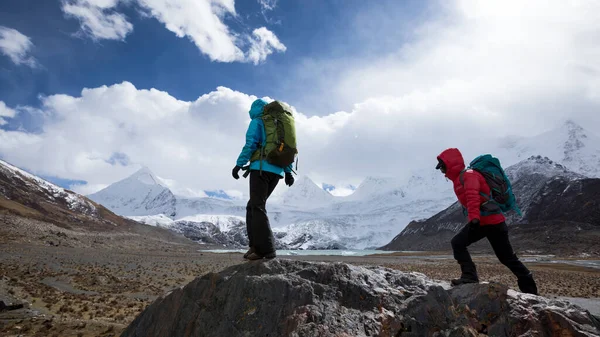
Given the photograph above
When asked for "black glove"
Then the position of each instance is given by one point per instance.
(289, 179)
(474, 224)
(235, 172)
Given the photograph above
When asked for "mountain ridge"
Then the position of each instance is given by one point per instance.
(561, 213)
(380, 207)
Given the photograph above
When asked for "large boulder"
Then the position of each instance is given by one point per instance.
(293, 298)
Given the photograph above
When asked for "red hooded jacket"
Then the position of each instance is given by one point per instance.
(468, 194)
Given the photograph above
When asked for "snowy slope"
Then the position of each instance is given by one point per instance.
(304, 216)
(140, 194)
(570, 144)
(379, 209)
(547, 193)
(52, 192)
(307, 216)
(225, 230)
(186, 207)
(538, 165)
(373, 187)
(305, 194)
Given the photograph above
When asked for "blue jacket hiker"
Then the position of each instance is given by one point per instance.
(264, 177)
(255, 137)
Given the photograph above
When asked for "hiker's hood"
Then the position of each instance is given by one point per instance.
(454, 162)
(256, 109)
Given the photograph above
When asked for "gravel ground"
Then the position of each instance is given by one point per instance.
(73, 291)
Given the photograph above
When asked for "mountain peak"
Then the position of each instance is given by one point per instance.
(570, 144)
(572, 125)
(306, 193)
(141, 193)
(539, 165)
(145, 176)
(378, 185)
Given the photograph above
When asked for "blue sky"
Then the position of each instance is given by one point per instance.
(153, 57)
(404, 78)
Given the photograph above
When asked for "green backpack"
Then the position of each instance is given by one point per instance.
(501, 198)
(279, 148)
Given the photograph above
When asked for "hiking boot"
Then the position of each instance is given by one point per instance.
(257, 256)
(250, 251)
(459, 281)
(527, 285)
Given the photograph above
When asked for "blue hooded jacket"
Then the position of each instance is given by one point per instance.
(255, 136)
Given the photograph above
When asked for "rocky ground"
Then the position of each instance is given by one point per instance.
(79, 283)
(71, 291)
(283, 297)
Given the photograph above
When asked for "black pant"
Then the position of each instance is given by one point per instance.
(260, 235)
(497, 235)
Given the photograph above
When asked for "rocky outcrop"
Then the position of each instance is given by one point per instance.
(294, 298)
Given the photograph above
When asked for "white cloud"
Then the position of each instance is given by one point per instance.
(16, 46)
(99, 18)
(501, 52)
(192, 146)
(6, 112)
(263, 44)
(202, 21)
(268, 5)
(176, 139)
(470, 75)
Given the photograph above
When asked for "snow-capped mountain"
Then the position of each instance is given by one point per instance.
(13, 176)
(542, 187)
(31, 198)
(305, 194)
(539, 166)
(373, 187)
(187, 207)
(140, 194)
(305, 215)
(571, 145)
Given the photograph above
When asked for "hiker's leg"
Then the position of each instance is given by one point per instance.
(460, 242)
(261, 186)
(498, 238)
(249, 222)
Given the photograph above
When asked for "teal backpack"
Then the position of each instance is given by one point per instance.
(502, 198)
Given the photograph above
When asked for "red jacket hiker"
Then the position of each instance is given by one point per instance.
(474, 183)
(493, 227)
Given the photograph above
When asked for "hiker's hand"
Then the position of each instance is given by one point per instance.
(236, 172)
(289, 179)
(474, 224)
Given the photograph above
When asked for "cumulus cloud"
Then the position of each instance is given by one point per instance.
(6, 112)
(16, 46)
(470, 75)
(99, 18)
(474, 71)
(201, 21)
(524, 64)
(83, 135)
(109, 132)
(263, 43)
